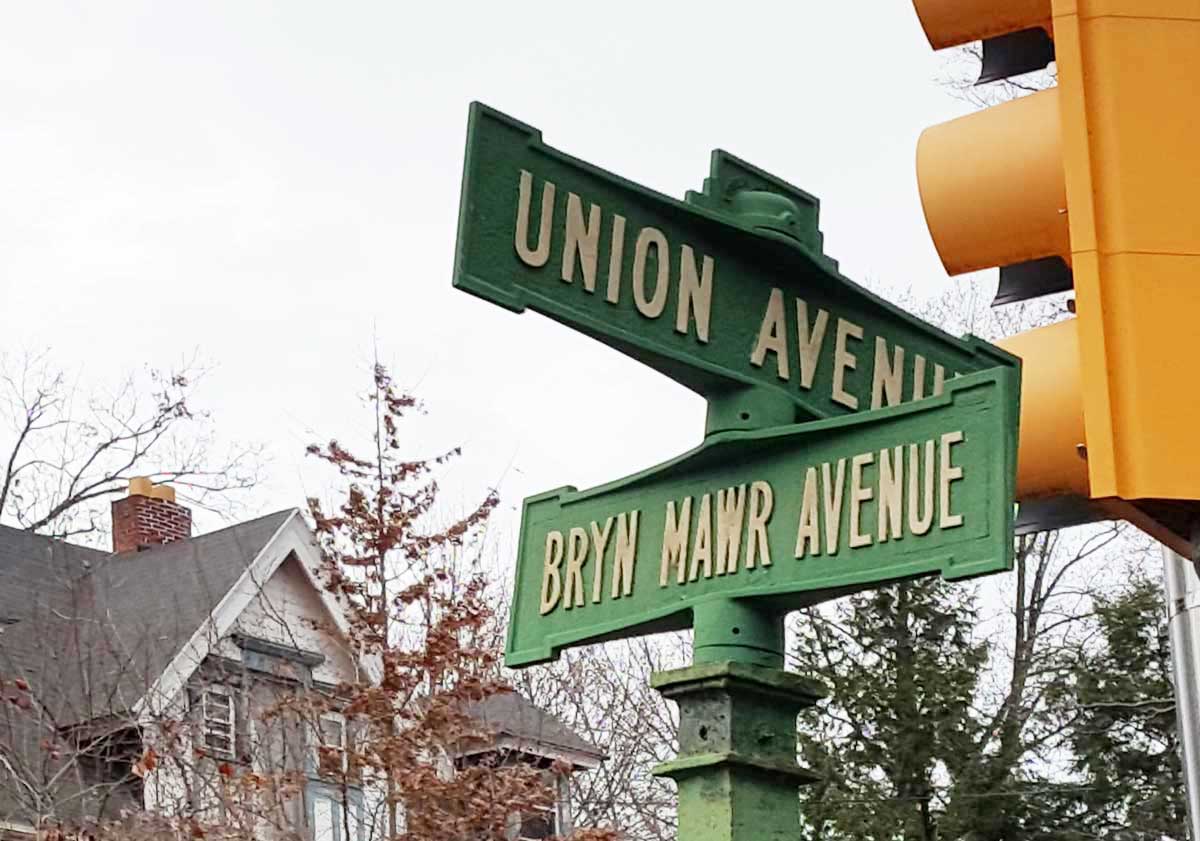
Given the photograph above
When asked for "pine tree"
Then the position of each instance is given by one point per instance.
(903, 671)
(1119, 704)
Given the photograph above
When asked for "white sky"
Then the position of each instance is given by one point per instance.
(273, 184)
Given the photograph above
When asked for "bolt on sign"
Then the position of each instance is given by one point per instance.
(905, 462)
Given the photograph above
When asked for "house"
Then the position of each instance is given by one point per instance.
(137, 679)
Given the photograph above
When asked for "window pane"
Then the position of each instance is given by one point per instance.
(333, 733)
(323, 819)
(218, 707)
(537, 826)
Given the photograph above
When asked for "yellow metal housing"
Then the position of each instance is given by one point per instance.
(1051, 459)
(992, 185)
(948, 23)
(1103, 171)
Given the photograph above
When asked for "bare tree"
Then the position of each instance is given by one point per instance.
(66, 448)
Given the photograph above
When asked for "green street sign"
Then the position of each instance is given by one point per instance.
(726, 290)
(786, 516)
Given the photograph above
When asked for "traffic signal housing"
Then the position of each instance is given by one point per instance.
(1089, 186)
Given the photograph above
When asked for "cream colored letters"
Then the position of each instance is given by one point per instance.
(702, 548)
(577, 552)
(582, 243)
(891, 494)
(887, 379)
(675, 541)
(536, 257)
(623, 555)
(859, 495)
(919, 492)
(762, 500)
(833, 504)
(809, 341)
(731, 512)
(807, 533)
(772, 336)
(599, 544)
(651, 307)
(695, 293)
(948, 473)
(843, 361)
(551, 578)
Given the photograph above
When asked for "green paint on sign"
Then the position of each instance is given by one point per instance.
(727, 290)
(786, 516)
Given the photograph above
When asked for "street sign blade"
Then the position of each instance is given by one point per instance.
(724, 291)
(788, 516)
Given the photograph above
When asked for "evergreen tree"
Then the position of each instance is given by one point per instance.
(903, 671)
(1119, 704)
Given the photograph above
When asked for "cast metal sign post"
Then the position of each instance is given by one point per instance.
(847, 444)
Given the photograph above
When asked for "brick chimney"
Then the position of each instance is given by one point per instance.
(149, 516)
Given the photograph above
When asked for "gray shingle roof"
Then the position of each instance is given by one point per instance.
(94, 630)
(103, 627)
(512, 714)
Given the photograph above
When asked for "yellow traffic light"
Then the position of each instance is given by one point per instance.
(1091, 185)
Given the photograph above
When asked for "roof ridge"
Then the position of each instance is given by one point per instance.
(150, 550)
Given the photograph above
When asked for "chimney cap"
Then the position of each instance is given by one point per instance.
(142, 486)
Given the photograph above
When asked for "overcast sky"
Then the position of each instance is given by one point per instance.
(272, 185)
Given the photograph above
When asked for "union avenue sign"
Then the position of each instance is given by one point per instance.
(727, 289)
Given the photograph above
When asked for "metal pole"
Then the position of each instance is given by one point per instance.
(736, 770)
(1183, 617)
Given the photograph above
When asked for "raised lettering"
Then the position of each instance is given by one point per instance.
(551, 579)
(948, 473)
(623, 555)
(702, 547)
(887, 378)
(577, 552)
(843, 361)
(540, 255)
(582, 242)
(695, 293)
(833, 503)
(651, 307)
(599, 544)
(731, 512)
(809, 341)
(918, 385)
(772, 336)
(675, 541)
(919, 523)
(762, 500)
(858, 495)
(939, 380)
(807, 532)
(891, 494)
(616, 253)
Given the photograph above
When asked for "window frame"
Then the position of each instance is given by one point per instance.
(548, 813)
(318, 742)
(211, 725)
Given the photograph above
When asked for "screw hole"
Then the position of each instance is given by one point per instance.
(736, 631)
(703, 732)
(745, 416)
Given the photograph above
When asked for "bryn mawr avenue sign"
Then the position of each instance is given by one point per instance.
(785, 515)
(905, 464)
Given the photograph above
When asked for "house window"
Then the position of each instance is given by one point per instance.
(333, 819)
(330, 744)
(538, 824)
(219, 719)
